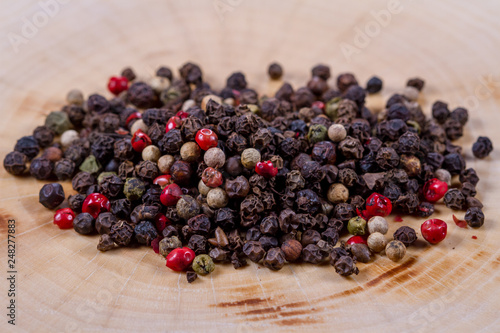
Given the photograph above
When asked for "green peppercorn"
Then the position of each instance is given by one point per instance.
(104, 174)
(203, 264)
(134, 188)
(168, 244)
(91, 165)
(58, 121)
(317, 133)
(331, 108)
(357, 226)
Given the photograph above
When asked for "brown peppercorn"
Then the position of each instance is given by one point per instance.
(338, 193)
(250, 157)
(44, 136)
(275, 71)
(237, 188)
(121, 233)
(361, 252)
(181, 172)
(411, 164)
(190, 152)
(187, 207)
(168, 244)
(274, 259)
(165, 163)
(395, 250)
(106, 243)
(345, 266)
(254, 251)
(291, 249)
(344, 81)
(474, 217)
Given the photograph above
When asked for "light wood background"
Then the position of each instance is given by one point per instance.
(65, 284)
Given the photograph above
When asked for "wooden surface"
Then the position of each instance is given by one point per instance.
(65, 284)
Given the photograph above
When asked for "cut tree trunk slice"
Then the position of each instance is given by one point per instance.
(65, 284)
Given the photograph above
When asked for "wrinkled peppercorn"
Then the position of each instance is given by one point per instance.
(406, 235)
(482, 147)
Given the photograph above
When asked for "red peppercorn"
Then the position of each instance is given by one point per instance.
(163, 180)
(155, 244)
(319, 105)
(377, 205)
(206, 139)
(173, 122)
(140, 140)
(170, 195)
(117, 84)
(182, 114)
(64, 217)
(211, 177)
(95, 204)
(266, 169)
(356, 240)
(161, 222)
(434, 230)
(237, 96)
(133, 116)
(180, 259)
(434, 190)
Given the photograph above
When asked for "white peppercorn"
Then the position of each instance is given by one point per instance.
(159, 83)
(190, 152)
(214, 157)
(139, 125)
(443, 175)
(376, 242)
(229, 101)
(217, 198)
(378, 224)
(75, 97)
(165, 162)
(250, 157)
(337, 132)
(395, 250)
(411, 93)
(202, 188)
(151, 153)
(68, 137)
(187, 104)
(205, 100)
(337, 193)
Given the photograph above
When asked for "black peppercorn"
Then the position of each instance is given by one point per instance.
(374, 85)
(454, 199)
(51, 195)
(274, 259)
(82, 181)
(28, 146)
(75, 202)
(474, 217)
(482, 147)
(15, 163)
(84, 223)
(44, 136)
(41, 168)
(275, 71)
(145, 232)
(141, 95)
(104, 222)
(64, 169)
(406, 235)
(122, 232)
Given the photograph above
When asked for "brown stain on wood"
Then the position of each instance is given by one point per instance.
(4, 217)
(391, 273)
(298, 321)
(243, 302)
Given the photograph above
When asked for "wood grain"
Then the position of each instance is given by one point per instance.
(65, 284)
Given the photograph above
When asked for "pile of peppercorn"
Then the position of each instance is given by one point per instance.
(208, 176)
